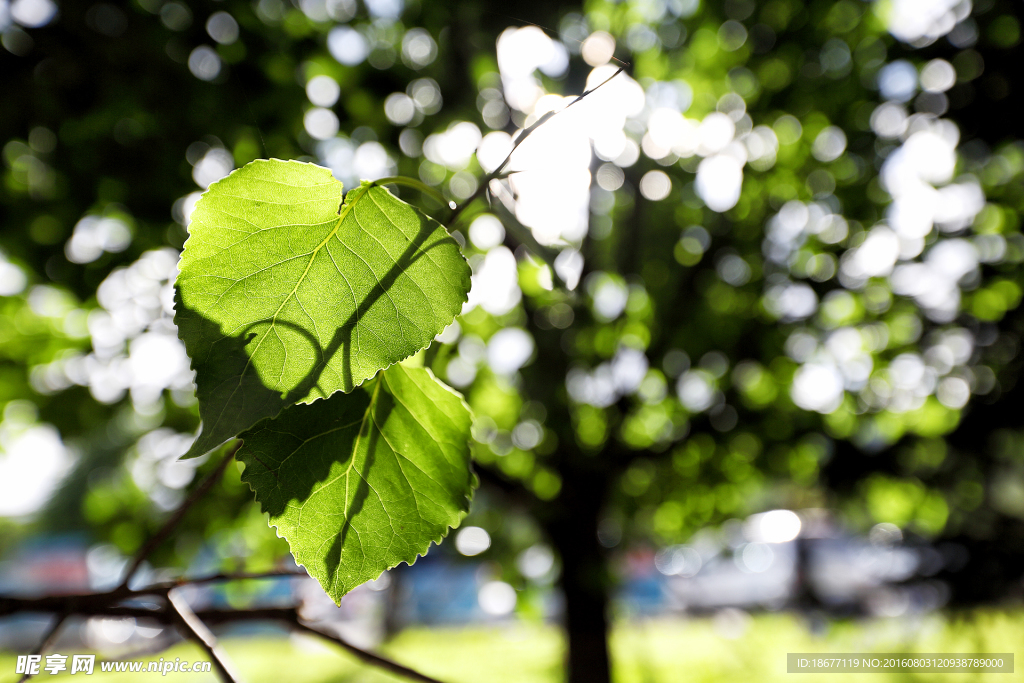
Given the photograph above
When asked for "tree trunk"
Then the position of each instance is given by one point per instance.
(587, 629)
(584, 582)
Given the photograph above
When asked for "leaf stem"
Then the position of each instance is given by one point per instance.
(431, 192)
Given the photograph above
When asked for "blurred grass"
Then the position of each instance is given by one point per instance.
(656, 651)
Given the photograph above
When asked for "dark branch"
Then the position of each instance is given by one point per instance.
(175, 611)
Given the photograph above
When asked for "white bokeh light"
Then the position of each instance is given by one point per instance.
(204, 63)
(629, 367)
(535, 562)
(372, 161)
(12, 278)
(222, 27)
(350, 163)
(94, 235)
(921, 22)
(774, 526)
(134, 340)
(33, 13)
(472, 540)
(214, 165)
(399, 108)
(818, 387)
(609, 296)
(791, 301)
(418, 48)
(938, 75)
(830, 144)
(321, 123)
(598, 48)
(347, 45)
(719, 182)
(323, 91)
(486, 232)
(508, 350)
(495, 283)
(497, 598)
(898, 80)
(521, 52)
(33, 461)
(455, 146)
(696, 390)
(655, 185)
(715, 132)
(156, 467)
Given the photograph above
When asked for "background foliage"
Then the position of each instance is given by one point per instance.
(792, 259)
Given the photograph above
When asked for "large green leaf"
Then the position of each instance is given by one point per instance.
(363, 481)
(286, 295)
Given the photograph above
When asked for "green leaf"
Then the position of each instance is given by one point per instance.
(363, 481)
(285, 295)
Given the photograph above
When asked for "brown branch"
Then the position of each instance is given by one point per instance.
(201, 633)
(47, 640)
(368, 657)
(60, 604)
(108, 603)
(105, 605)
(177, 612)
(171, 524)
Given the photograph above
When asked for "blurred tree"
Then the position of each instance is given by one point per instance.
(763, 267)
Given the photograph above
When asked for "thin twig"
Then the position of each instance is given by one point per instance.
(524, 236)
(172, 523)
(483, 187)
(369, 657)
(47, 640)
(204, 636)
(236, 576)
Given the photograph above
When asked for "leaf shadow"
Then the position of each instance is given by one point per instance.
(378, 417)
(226, 377)
(288, 461)
(342, 339)
(229, 382)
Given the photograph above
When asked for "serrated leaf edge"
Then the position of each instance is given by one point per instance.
(363, 184)
(474, 483)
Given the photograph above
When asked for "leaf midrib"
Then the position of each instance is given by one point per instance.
(345, 210)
